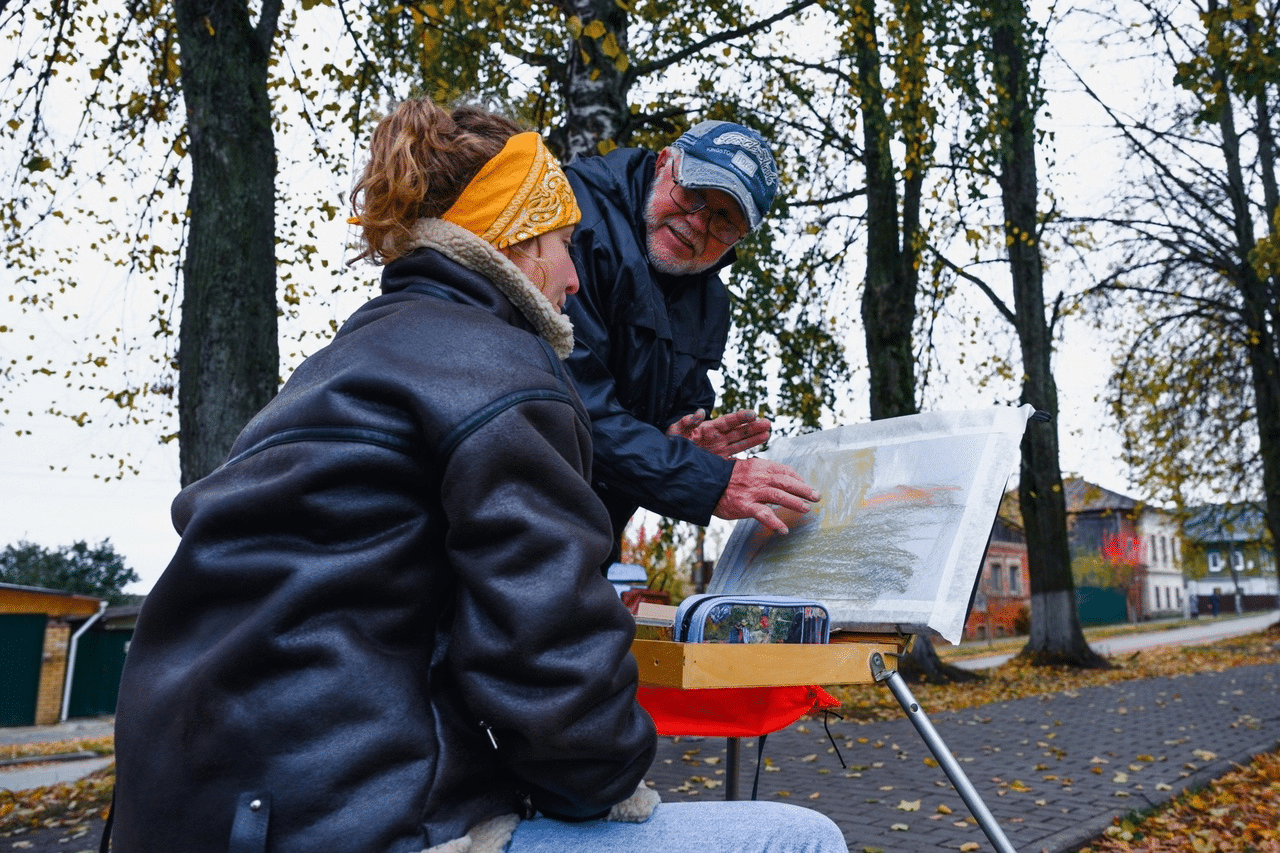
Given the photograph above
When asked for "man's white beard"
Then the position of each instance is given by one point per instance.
(660, 258)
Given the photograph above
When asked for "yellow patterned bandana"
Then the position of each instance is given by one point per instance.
(517, 195)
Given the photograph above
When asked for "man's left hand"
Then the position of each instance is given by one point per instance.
(726, 435)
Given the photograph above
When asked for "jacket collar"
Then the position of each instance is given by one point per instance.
(468, 250)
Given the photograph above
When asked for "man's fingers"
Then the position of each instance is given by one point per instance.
(786, 500)
(786, 480)
(686, 425)
(765, 515)
(738, 418)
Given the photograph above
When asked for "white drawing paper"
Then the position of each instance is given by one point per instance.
(896, 542)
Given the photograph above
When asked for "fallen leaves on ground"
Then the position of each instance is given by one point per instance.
(1239, 811)
(1019, 680)
(105, 745)
(68, 804)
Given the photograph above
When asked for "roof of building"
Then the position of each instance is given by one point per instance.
(1243, 522)
(1083, 496)
(15, 598)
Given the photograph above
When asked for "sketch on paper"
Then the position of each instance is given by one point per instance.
(896, 543)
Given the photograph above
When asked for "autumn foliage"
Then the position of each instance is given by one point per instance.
(1238, 812)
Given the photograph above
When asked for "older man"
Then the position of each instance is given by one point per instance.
(652, 318)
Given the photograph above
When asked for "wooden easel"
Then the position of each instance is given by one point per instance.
(853, 659)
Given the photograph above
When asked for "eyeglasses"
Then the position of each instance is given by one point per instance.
(691, 201)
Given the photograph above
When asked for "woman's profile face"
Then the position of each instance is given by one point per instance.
(547, 262)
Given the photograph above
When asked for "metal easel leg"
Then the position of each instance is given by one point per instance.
(733, 758)
(939, 749)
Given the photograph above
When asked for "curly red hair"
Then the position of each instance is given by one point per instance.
(421, 158)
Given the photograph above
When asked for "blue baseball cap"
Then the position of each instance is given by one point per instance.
(721, 155)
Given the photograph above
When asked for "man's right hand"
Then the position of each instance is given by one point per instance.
(757, 486)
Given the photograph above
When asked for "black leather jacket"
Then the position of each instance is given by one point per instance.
(399, 562)
(644, 344)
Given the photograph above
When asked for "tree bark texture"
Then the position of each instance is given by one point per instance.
(228, 352)
(595, 90)
(1056, 635)
(889, 290)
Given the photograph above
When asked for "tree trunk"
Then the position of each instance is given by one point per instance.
(1056, 636)
(596, 84)
(228, 353)
(1257, 293)
(888, 298)
(892, 278)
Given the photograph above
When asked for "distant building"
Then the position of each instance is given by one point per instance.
(46, 633)
(1125, 556)
(1001, 601)
(1229, 552)
(35, 634)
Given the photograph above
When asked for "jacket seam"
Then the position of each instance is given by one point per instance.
(361, 435)
(426, 289)
(482, 416)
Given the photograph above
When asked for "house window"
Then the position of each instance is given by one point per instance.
(1237, 560)
(1164, 550)
(1215, 561)
(1015, 581)
(993, 571)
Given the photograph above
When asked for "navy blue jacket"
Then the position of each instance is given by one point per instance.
(644, 344)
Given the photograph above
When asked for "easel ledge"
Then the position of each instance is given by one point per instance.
(845, 660)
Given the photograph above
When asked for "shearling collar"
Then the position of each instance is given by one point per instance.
(470, 251)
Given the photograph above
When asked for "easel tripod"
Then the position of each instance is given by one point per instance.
(898, 687)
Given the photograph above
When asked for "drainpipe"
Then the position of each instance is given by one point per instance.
(71, 658)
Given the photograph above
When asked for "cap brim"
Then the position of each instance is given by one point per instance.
(700, 175)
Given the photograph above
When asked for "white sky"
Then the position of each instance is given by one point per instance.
(52, 497)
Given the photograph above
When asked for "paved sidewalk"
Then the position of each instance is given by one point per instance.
(1053, 770)
(24, 777)
(1205, 631)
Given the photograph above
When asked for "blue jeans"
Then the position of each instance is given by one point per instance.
(713, 827)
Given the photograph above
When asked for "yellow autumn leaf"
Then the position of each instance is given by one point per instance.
(909, 806)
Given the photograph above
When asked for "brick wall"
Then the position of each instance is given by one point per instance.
(53, 671)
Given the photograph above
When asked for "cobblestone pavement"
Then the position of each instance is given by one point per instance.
(1053, 770)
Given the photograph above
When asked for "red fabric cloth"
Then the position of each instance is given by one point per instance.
(731, 711)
